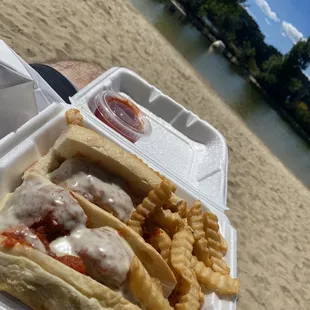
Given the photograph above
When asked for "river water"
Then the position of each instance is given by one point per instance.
(245, 99)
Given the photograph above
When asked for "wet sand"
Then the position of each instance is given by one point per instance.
(269, 207)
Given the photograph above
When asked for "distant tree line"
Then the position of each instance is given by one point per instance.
(281, 76)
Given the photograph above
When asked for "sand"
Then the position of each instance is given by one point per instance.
(269, 207)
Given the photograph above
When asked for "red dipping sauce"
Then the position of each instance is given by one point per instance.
(120, 114)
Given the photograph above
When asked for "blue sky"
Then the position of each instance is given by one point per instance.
(283, 22)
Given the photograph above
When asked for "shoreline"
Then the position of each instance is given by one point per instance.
(289, 119)
(268, 205)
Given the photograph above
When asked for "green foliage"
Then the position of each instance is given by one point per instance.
(224, 14)
(294, 85)
(299, 55)
(246, 55)
(271, 69)
(273, 64)
(254, 70)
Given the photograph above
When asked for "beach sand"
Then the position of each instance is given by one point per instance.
(269, 207)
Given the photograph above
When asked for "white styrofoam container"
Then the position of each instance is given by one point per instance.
(195, 158)
(27, 145)
(187, 148)
(23, 92)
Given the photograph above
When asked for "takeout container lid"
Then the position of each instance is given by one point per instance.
(23, 92)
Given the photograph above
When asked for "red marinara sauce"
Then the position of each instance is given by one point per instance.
(13, 237)
(73, 262)
(120, 114)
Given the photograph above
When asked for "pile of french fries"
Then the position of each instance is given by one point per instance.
(190, 242)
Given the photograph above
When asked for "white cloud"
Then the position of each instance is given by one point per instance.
(264, 6)
(292, 32)
(283, 34)
(267, 21)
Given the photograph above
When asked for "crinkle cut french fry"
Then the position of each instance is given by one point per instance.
(211, 280)
(74, 117)
(183, 209)
(223, 245)
(135, 222)
(144, 289)
(171, 206)
(157, 197)
(189, 294)
(212, 234)
(201, 251)
(195, 220)
(173, 203)
(214, 252)
(161, 241)
(219, 265)
(213, 237)
(181, 252)
(211, 221)
(172, 186)
(167, 220)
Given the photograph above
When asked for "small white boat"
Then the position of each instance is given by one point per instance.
(218, 46)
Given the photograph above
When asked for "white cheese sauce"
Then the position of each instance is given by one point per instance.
(96, 185)
(106, 255)
(37, 198)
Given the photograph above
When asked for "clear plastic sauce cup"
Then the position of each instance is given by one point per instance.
(121, 114)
